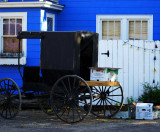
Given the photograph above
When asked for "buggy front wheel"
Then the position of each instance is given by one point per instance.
(71, 98)
(10, 98)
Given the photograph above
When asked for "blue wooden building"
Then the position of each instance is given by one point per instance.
(112, 19)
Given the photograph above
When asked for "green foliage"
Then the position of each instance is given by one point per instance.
(117, 104)
(130, 100)
(151, 94)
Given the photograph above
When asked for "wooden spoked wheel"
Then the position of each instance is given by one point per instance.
(71, 101)
(10, 98)
(107, 98)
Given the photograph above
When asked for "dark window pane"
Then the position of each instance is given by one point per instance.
(5, 26)
(11, 45)
(18, 25)
(12, 26)
(49, 24)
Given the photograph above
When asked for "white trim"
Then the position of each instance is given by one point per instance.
(14, 61)
(40, 4)
(124, 23)
(53, 17)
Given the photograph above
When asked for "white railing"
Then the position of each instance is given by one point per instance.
(139, 62)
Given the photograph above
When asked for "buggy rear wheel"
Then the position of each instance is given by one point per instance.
(10, 98)
(71, 101)
(107, 100)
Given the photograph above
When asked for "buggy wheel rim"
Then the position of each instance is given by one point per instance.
(70, 101)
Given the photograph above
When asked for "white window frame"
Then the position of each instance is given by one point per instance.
(23, 16)
(124, 19)
(53, 17)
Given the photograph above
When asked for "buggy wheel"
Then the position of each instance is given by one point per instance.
(71, 101)
(10, 98)
(107, 100)
(45, 105)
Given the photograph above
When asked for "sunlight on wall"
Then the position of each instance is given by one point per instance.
(43, 21)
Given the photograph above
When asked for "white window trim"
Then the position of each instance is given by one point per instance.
(124, 24)
(53, 17)
(14, 61)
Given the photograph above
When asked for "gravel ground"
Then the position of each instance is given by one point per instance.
(37, 121)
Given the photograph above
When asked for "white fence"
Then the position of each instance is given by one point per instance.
(139, 62)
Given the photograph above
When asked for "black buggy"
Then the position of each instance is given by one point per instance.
(59, 82)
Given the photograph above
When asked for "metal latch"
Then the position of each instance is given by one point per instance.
(106, 53)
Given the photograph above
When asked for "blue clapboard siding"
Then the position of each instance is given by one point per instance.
(11, 72)
(33, 23)
(81, 14)
(35, 18)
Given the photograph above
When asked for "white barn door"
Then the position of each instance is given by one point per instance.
(139, 62)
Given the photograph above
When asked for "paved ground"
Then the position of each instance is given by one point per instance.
(37, 121)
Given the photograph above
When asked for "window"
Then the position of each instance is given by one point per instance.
(138, 30)
(124, 27)
(50, 22)
(111, 30)
(11, 27)
(11, 24)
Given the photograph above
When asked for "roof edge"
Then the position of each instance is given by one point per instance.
(37, 4)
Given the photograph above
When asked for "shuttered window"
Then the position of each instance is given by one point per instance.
(138, 30)
(111, 30)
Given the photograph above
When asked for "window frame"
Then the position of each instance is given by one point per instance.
(9, 60)
(53, 17)
(124, 19)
